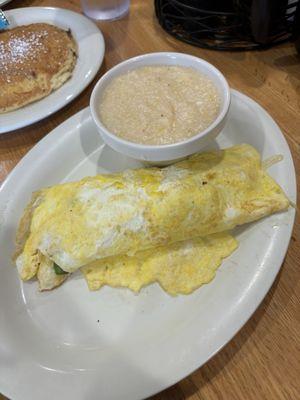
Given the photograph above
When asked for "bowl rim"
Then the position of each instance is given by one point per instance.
(139, 146)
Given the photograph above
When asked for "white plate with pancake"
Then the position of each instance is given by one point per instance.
(112, 344)
(90, 55)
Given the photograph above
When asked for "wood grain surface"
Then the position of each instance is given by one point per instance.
(263, 359)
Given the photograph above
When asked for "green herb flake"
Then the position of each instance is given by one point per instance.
(58, 270)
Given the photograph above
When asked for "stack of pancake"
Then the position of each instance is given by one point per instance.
(34, 60)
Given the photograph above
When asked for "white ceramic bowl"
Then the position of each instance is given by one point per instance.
(170, 152)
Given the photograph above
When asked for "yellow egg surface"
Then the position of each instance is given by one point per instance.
(76, 223)
(179, 268)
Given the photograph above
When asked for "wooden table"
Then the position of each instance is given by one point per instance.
(263, 360)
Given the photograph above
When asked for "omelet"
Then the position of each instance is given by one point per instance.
(100, 217)
(179, 268)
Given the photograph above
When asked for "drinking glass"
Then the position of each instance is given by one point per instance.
(105, 9)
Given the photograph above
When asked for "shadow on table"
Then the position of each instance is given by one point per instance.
(18, 4)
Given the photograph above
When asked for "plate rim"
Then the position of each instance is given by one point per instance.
(55, 108)
(259, 298)
(4, 2)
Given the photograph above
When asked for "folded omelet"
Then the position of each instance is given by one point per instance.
(179, 268)
(105, 216)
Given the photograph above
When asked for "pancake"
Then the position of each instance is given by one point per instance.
(35, 59)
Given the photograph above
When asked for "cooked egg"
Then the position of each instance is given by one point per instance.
(77, 223)
(179, 268)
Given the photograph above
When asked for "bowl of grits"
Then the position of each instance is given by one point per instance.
(160, 107)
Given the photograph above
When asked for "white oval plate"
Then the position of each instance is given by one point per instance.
(90, 55)
(111, 344)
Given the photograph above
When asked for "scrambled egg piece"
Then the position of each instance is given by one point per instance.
(179, 268)
(76, 223)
